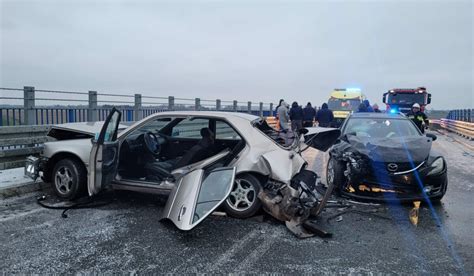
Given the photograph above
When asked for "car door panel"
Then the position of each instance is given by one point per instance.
(197, 195)
(103, 160)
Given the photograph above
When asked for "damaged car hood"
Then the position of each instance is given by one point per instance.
(77, 130)
(408, 149)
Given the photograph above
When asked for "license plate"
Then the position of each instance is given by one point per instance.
(32, 167)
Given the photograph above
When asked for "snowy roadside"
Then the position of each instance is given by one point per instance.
(14, 182)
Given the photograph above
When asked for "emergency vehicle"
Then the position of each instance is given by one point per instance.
(402, 99)
(344, 101)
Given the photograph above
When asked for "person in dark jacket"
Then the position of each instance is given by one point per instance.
(418, 117)
(376, 108)
(368, 107)
(324, 116)
(308, 115)
(296, 117)
(362, 108)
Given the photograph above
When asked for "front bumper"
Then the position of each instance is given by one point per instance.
(34, 166)
(417, 186)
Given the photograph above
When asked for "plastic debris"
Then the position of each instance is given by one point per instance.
(414, 213)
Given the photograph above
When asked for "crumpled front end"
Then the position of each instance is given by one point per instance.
(373, 173)
(293, 203)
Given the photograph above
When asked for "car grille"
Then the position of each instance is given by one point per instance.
(383, 167)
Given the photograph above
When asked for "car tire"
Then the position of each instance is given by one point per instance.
(69, 178)
(243, 201)
(335, 174)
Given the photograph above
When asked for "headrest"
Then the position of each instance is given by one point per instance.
(206, 132)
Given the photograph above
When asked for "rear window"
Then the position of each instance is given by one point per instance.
(270, 132)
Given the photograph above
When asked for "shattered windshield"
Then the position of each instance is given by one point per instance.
(283, 139)
(380, 127)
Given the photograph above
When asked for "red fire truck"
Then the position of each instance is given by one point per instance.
(402, 99)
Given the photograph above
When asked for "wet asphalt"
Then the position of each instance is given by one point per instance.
(125, 236)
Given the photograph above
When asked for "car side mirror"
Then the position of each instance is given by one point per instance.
(303, 131)
(432, 136)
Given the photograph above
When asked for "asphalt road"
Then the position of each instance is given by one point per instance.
(126, 236)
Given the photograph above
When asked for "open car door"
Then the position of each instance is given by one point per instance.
(103, 160)
(197, 195)
(321, 138)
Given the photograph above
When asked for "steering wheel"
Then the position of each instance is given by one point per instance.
(151, 143)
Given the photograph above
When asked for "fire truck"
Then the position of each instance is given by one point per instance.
(402, 99)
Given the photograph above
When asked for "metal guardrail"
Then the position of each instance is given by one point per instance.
(20, 141)
(465, 129)
(72, 106)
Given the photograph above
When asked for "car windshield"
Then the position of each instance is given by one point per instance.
(343, 104)
(380, 127)
(405, 98)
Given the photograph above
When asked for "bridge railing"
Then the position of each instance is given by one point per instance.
(31, 106)
(465, 115)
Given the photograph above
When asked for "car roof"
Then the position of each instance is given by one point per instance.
(377, 115)
(223, 114)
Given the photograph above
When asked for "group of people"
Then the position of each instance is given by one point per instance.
(305, 117)
(365, 107)
(302, 117)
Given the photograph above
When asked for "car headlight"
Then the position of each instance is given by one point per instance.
(437, 166)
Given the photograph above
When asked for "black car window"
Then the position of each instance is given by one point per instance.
(226, 132)
(190, 128)
(380, 127)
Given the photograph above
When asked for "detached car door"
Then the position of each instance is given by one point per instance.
(321, 138)
(103, 160)
(197, 195)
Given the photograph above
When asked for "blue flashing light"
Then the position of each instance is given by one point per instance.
(393, 111)
(353, 89)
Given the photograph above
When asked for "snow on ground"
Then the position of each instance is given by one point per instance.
(13, 177)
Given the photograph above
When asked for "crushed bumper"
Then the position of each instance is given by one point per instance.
(33, 166)
(431, 187)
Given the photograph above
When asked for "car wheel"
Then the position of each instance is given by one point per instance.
(335, 174)
(243, 201)
(69, 178)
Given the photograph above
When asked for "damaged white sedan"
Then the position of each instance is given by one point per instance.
(202, 160)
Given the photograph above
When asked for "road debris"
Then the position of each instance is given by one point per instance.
(414, 213)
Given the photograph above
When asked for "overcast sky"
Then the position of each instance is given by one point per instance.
(243, 50)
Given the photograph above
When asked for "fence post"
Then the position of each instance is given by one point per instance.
(197, 104)
(261, 109)
(170, 103)
(29, 105)
(271, 110)
(137, 107)
(234, 106)
(218, 104)
(470, 114)
(249, 107)
(92, 110)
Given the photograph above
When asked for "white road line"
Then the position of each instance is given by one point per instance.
(268, 240)
(227, 255)
(22, 214)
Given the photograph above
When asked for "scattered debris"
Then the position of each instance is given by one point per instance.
(339, 218)
(414, 213)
